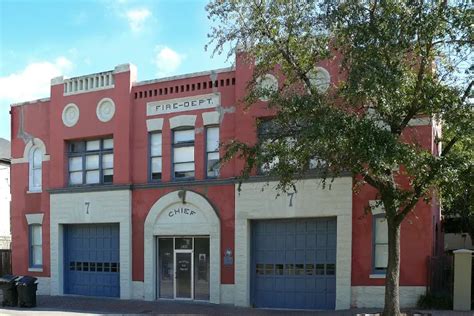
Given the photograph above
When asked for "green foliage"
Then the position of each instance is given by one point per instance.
(399, 60)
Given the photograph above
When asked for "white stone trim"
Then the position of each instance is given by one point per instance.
(182, 121)
(57, 80)
(420, 121)
(376, 207)
(154, 124)
(373, 296)
(104, 207)
(35, 269)
(123, 68)
(101, 115)
(377, 276)
(36, 218)
(210, 118)
(311, 200)
(70, 121)
(185, 76)
(155, 225)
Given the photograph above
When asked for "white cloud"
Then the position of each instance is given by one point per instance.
(33, 82)
(167, 60)
(137, 18)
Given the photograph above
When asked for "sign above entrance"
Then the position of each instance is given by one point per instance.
(198, 102)
(181, 211)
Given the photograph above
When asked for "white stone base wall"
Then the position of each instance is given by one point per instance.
(227, 294)
(44, 286)
(373, 296)
(138, 290)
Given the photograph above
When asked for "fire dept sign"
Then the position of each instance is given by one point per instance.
(199, 102)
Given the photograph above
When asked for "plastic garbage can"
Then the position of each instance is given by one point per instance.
(8, 287)
(26, 287)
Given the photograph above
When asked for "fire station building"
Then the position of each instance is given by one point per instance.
(116, 193)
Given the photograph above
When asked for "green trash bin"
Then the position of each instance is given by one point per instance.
(26, 287)
(8, 287)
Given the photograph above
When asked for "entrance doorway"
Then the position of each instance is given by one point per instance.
(183, 267)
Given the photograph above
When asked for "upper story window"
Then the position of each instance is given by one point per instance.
(91, 162)
(183, 154)
(380, 243)
(212, 151)
(266, 135)
(35, 161)
(155, 156)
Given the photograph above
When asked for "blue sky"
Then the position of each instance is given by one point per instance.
(44, 39)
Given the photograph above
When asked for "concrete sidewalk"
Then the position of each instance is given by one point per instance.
(74, 305)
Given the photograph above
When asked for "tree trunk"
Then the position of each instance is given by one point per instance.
(392, 280)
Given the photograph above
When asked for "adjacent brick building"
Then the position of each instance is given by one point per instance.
(115, 192)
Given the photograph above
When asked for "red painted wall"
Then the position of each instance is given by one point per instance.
(128, 128)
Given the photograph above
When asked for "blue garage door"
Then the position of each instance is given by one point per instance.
(294, 263)
(91, 260)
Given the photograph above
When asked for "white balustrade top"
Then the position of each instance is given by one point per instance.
(93, 82)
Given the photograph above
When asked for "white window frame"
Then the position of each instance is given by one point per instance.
(187, 144)
(209, 152)
(32, 168)
(34, 245)
(375, 242)
(152, 156)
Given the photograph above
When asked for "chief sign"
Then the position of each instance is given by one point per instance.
(205, 101)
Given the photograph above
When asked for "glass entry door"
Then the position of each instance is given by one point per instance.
(184, 267)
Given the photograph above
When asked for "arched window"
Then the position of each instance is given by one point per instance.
(35, 162)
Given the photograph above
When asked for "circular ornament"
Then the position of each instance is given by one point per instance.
(70, 115)
(268, 84)
(105, 110)
(320, 78)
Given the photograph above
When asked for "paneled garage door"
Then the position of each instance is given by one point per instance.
(91, 260)
(294, 263)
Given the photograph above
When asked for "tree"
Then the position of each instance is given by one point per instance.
(458, 197)
(401, 60)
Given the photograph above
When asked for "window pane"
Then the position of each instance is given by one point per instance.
(184, 136)
(381, 230)
(75, 163)
(92, 162)
(36, 238)
(212, 142)
(183, 154)
(184, 174)
(37, 178)
(212, 164)
(37, 255)
(92, 176)
(381, 256)
(184, 167)
(109, 143)
(107, 161)
(108, 175)
(156, 164)
(75, 177)
(155, 141)
(76, 147)
(37, 158)
(93, 145)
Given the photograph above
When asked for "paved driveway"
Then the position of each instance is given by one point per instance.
(70, 305)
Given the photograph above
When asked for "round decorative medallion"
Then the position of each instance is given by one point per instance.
(268, 84)
(320, 78)
(70, 115)
(105, 110)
